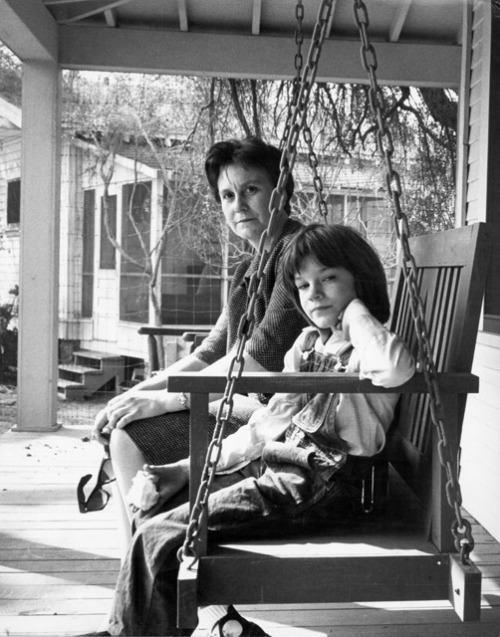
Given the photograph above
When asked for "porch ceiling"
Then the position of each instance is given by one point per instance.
(418, 41)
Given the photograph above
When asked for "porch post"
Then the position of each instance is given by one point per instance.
(39, 258)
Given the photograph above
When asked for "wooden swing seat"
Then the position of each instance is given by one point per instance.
(404, 551)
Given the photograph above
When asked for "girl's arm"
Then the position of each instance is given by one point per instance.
(383, 357)
(265, 424)
(362, 420)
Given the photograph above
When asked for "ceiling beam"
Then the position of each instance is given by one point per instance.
(47, 2)
(256, 15)
(111, 19)
(29, 30)
(183, 17)
(228, 55)
(399, 20)
(107, 6)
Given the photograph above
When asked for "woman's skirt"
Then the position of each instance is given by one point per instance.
(164, 439)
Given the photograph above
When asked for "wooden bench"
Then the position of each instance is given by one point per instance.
(407, 551)
(195, 336)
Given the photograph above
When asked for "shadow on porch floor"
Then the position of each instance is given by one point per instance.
(58, 567)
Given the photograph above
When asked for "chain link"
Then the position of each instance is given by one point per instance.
(461, 528)
(312, 158)
(298, 62)
(267, 242)
(317, 181)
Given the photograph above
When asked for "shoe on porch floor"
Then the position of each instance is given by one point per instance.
(234, 625)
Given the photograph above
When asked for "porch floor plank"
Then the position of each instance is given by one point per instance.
(58, 567)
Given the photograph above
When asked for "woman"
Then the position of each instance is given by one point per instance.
(150, 425)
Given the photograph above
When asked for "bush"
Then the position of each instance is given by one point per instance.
(8, 339)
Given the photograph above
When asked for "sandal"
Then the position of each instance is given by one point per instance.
(234, 625)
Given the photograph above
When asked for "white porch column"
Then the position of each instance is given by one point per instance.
(39, 259)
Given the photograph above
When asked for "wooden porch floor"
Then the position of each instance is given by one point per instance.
(58, 567)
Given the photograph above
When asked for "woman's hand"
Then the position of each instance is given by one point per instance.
(124, 409)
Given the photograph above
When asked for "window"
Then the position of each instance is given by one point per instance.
(136, 233)
(107, 259)
(88, 253)
(192, 260)
(14, 201)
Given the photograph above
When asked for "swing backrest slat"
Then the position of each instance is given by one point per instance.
(451, 267)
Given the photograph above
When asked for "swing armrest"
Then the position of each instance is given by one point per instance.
(317, 382)
(200, 385)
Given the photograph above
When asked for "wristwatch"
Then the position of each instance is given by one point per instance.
(183, 399)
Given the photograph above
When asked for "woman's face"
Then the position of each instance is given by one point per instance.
(245, 194)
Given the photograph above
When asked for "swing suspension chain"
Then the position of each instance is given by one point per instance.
(298, 62)
(306, 131)
(318, 182)
(267, 242)
(461, 527)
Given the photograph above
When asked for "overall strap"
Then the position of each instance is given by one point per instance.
(309, 342)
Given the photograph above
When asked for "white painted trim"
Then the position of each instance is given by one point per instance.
(183, 17)
(29, 30)
(126, 162)
(39, 256)
(399, 20)
(227, 55)
(463, 118)
(256, 15)
(485, 107)
(11, 113)
(110, 17)
(87, 14)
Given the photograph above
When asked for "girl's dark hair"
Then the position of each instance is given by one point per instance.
(251, 152)
(337, 246)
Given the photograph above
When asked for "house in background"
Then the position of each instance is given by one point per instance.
(103, 292)
(10, 196)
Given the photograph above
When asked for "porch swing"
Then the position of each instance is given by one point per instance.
(415, 544)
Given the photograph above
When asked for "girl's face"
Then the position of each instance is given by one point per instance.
(245, 195)
(324, 292)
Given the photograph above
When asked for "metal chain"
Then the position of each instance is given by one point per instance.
(267, 242)
(313, 160)
(318, 182)
(298, 62)
(461, 527)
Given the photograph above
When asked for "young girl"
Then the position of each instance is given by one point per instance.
(293, 461)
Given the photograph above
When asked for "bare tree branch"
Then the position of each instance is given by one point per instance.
(237, 107)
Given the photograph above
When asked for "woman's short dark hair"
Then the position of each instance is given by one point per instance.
(337, 246)
(251, 152)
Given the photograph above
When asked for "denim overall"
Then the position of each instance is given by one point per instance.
(313, 428)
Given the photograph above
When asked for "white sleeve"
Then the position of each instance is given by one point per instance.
(383, 357)
(265, 424)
